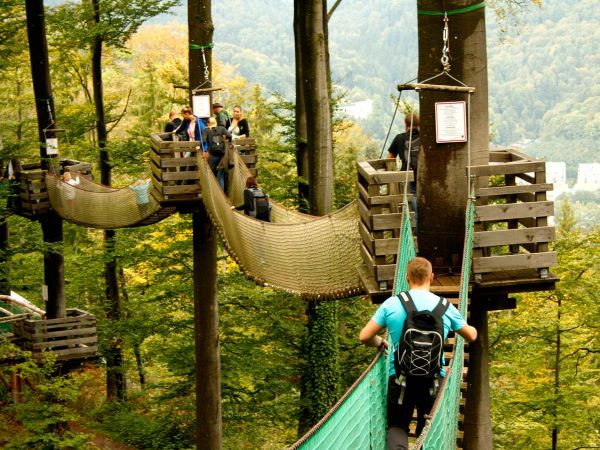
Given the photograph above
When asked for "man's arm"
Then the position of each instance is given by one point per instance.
(468, 332)
(368, 335)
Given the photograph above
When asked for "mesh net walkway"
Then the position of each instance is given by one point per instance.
(358, 421)
(94, 205)
(313, 257)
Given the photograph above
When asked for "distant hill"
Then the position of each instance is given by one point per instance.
(544, 82)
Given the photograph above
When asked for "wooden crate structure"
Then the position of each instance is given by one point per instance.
(381, 193)
(246, 147)
(68, 338)
(33, 196)
(174, 168)
(511, 217)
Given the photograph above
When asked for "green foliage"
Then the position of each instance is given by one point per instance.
(545, 370)
(44, 412)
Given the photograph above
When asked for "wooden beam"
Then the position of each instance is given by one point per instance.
(435, 87)
(521, 167)
(509, 211)
(512, 190)
(516, 236)
(514, 262)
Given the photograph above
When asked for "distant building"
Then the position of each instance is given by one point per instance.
(359, 110)
(588, 177)
(556, 173)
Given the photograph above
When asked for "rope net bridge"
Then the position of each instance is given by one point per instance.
(358, 419)
(313, 257)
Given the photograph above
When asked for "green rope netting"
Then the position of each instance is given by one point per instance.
(357, 421)
(440, 432)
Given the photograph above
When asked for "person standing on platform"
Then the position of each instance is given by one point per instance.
(239, 127)
(222, 116)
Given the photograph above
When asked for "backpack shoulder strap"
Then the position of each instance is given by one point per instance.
(407, 302)
(441, 307)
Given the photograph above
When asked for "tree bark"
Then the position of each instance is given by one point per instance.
(51, 223)
(206, 331)
(317, 100)
(206, 306)
(302, 156)
(442, 184)
(321, 374)
(115, 372)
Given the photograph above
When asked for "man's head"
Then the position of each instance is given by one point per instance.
(217, 107)
(172, 116)
(187, 113)
(212, 122)
(414, 117)
(419, 272)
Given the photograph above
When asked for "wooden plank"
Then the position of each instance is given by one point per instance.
(181, 189)
(526, 177)
(508, 168)
(510, 190)
(248, 159)
(46, 335)
(385, 272)
(70, 352)
(178, 162)
(509, 237)
(391, 221)
(365, 214)
(513, 211)
(499, 156)
(181, 175)
(372, 176)
(368, 260)
(65, 342)
(365, 234)
(384, 247)
(63, 321)
(31, 196)
(514, 262)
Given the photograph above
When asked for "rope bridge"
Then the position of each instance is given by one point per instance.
(313, 257)
(358, 420)
(97, 206)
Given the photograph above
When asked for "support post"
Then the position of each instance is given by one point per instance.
(477, 421)
(206, 331)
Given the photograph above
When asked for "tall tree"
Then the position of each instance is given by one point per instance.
(54, 276)
(321, 375)
(206, 306)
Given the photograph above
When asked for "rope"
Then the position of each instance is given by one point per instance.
(424, 12)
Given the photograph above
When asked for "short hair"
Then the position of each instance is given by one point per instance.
(186, 110)
(212, 121)
(415, 120)
(251, 182)
(419, 270)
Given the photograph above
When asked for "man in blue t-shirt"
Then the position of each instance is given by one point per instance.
(391, 315)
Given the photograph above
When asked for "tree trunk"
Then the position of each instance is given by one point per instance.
(206, 331)
(321, 374)
(556, 377)
(317, 100)
(302, 156)
(477, 420)
(51, 223)
(206, 306)
(115, 372)
(442, 184)
(4, 277)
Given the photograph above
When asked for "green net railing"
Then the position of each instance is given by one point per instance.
(358, 420)
(441, 430)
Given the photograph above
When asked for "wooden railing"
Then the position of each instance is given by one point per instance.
(72, 337)
(381, 192)
(511, 217)
(33, 194)
(174, 168)
(246, 148)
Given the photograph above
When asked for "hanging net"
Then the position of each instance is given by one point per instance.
(313, 257)
(94, 205)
